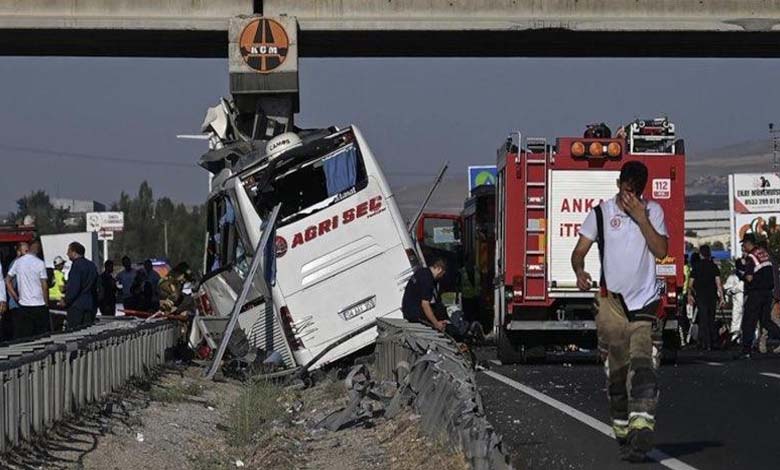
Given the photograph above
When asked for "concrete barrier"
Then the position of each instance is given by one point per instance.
(438, 381)
(45, 380)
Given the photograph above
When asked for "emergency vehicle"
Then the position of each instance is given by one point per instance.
(10, 237)
(343, 254)
(439, 236)
(543, 193)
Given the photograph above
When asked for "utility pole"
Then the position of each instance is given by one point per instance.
(165, 236)
(774, 145)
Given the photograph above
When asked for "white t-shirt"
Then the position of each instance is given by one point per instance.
(2, 285)
(29, 270)
(629, 266)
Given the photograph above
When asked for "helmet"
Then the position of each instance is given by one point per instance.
(58, 261)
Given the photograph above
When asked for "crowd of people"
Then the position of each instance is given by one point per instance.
(752, 289)
(35, 301)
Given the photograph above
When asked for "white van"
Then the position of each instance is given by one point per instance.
(343, 252)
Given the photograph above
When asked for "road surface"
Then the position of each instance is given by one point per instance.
(715, 412)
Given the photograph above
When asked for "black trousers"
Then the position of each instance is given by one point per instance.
(7, 325)
(31, 321)
(706, 320)
(758, 309)
(80, 317)
(108, 308)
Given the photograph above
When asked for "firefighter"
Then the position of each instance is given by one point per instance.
(631, 235)
(759, 285)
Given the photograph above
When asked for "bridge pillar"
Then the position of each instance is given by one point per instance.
(263, 65)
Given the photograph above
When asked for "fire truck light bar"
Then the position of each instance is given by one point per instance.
(596, 149)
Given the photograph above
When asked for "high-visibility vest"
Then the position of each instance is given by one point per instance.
(57, 291)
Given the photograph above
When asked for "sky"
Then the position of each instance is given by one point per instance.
(70, 125)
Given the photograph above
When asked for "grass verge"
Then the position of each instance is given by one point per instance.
(250, 415)
(175, 393)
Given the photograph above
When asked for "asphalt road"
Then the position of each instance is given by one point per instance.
(715, 412)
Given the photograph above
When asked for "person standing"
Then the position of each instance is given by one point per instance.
(32, 316)
(107, 290)
(759, 285)
(3, 302)
(735, 288)
(705, 285)
(631, 234)
(81, 293)
(126, 278)
(154, 283)
(12, 305)
(57, 290)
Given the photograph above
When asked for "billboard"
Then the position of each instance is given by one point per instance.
(754, 199)
(752, 193)
(482, 175)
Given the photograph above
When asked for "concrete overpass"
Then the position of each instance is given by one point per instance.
(377, 28)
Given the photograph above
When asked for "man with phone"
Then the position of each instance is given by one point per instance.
(631, 234)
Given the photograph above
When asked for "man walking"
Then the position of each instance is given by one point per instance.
(631, 234)
(705, 285)
(759, 285)
(32, 316)
(81, 293)
(107, 290)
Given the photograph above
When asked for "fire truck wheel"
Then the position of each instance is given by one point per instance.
(671, 344)
(510, 348)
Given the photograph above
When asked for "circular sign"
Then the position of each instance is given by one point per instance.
(264, 44)
(280, 244)
(485, 177)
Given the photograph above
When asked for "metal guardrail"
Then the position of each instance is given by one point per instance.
(435, 377)
(45, 380)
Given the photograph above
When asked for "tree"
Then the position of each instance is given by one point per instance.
(145, 225)
(47, 218)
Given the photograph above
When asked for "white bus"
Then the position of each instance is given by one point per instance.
(343, 252)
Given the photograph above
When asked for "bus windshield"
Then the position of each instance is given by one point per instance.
(308, 180)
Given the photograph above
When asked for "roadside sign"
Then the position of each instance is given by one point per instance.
(105, 235)
(105, 221)
(480, 175)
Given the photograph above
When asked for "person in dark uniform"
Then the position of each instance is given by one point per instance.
(107, 290)
(707, 289)
(759, 285)
(81, 291)
(420, 300)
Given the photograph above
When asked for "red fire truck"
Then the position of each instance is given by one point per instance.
(543, 193)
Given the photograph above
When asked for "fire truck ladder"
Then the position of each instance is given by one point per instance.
(535, 161)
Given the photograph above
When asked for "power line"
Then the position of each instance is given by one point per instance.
(48, 153)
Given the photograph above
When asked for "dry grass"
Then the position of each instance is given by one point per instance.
(257, 406)
(175, 393)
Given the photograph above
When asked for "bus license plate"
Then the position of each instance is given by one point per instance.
(358, 309)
